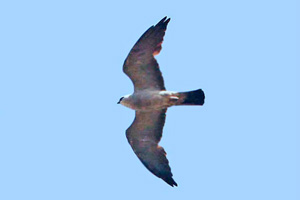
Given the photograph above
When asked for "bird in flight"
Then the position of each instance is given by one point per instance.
(150, 101)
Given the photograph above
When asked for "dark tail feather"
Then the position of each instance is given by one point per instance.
(195, 97)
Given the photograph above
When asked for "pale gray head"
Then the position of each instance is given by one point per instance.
(125, 100)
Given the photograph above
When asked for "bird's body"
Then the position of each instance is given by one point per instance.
(150, 101)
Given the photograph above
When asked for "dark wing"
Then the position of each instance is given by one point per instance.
(140, 65)
(144, 135)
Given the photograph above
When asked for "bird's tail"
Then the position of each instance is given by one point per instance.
(195, 97)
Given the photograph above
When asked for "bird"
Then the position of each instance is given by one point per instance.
(150, 100)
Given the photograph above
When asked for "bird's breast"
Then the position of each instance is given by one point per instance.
(149, 100)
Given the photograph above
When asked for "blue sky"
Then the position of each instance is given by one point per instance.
(62, 135)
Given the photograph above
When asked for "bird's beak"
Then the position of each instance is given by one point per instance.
(118, 102)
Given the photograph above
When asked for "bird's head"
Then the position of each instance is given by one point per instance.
(125, 101)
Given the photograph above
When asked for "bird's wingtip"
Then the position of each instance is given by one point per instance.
(171, 182)
(164, 20)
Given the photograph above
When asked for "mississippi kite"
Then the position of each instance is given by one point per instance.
(150, 101)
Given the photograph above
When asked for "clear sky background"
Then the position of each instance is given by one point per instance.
(62, 134)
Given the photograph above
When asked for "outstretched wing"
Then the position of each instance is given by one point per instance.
(144, 135)
(140, 65)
